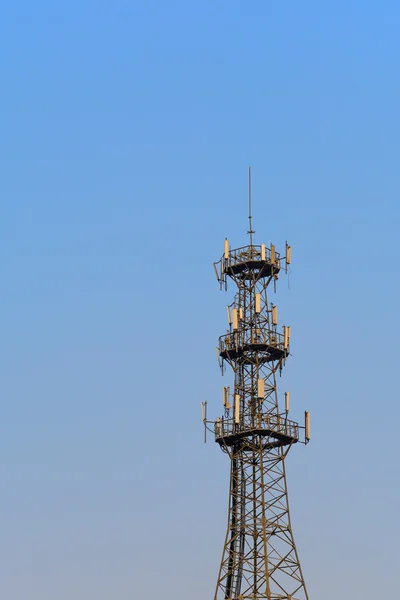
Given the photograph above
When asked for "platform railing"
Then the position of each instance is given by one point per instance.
(246, 337)
(250, 253)
(273, 423)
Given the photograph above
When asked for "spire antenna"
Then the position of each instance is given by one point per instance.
(250, 232)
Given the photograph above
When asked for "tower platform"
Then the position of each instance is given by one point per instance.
(267, 343)
(281, 430)
(252, 258)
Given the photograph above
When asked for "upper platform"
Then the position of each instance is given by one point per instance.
(244, 261)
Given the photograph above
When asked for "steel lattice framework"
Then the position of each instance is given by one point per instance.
(260, 558)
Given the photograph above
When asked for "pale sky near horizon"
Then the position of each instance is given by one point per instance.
(126, 133)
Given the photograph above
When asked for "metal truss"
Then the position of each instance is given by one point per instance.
(260, 559)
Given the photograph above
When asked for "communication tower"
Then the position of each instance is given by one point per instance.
(259, 559)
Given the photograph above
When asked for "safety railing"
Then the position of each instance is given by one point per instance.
(243, 338)
(252, 253)
(272, 424)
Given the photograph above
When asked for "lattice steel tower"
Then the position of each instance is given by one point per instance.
(260, 558)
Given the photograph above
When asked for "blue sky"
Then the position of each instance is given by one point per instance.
(126, 133)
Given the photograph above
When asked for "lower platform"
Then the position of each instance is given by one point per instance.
(279, 438)
(278, 431)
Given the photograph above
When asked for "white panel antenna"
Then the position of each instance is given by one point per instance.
(308, 426)
(287, 402)
(288, 254)
(258, 303)
(226, 248)
(235, 318)
(237, 408)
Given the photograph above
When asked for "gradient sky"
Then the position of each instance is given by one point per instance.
(126, 132)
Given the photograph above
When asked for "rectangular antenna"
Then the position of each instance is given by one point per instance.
(287, 401)
(204, 418)
(234, 318)
(216, 272)
(272, 254)
(262, 251)
(226, 248)
(288, 254)
(308, 426)
(218, 355)
(260, 388)
(226, 392)
(258, 303)
(237, 408)
(274, 315)
(286, 337)
(228, 311)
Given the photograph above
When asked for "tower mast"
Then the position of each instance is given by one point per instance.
(259, 559)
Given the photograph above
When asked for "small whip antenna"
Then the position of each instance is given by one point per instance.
(250, 232)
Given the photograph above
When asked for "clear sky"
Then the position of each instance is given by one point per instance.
(126, 132)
